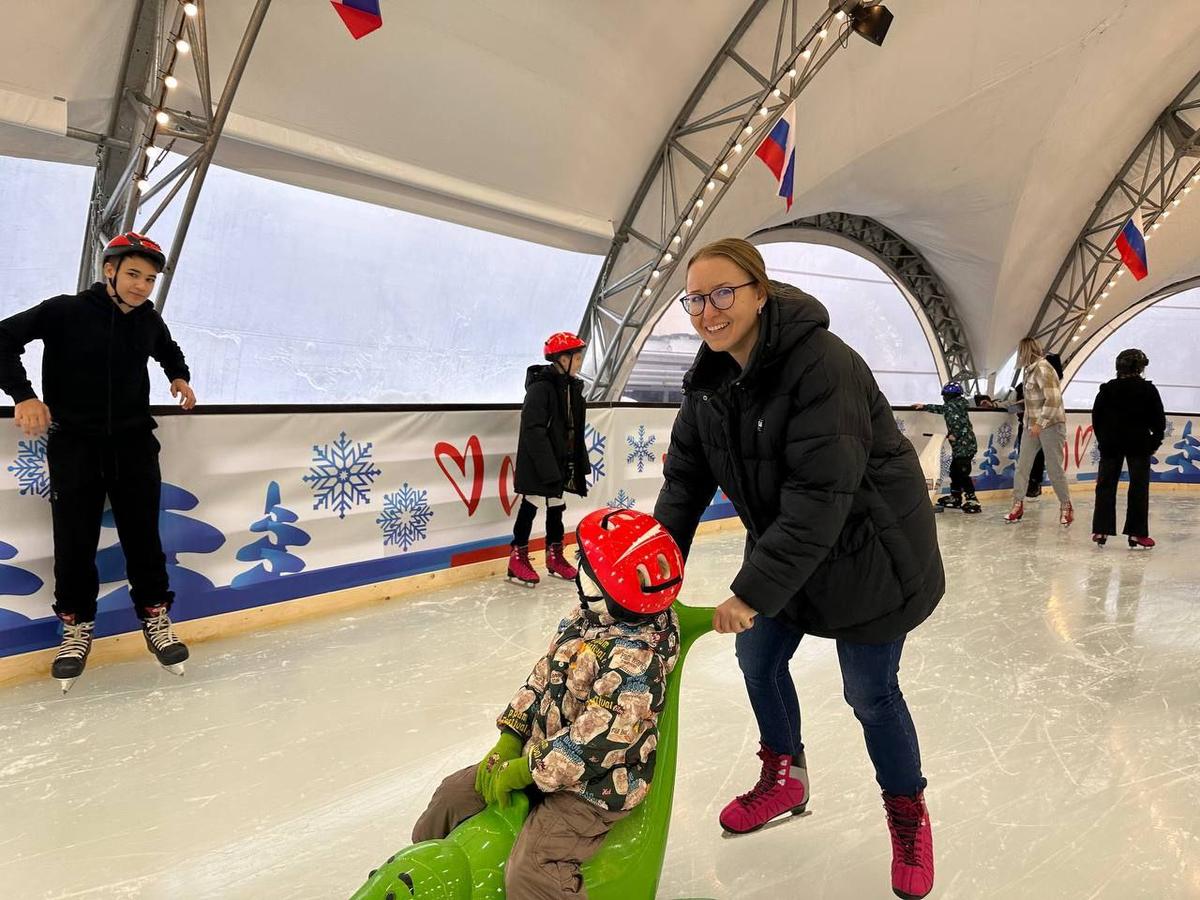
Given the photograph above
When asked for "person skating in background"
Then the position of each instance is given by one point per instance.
(101, 440)
(1129, 424)
(1037, 474)
(580, 735)
(963, 447)
(551, 455)
(1045, 429)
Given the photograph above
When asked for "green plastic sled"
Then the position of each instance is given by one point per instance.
(469, 863)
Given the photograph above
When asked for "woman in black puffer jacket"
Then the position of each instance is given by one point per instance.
(788, 421)
(1129, 424)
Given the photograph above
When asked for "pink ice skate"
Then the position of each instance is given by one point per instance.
(912, 845)
(557, 565)
(782, 789)
(520, 570)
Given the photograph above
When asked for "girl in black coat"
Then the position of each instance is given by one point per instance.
(551, 455)
(841, 540)
(1129, 424)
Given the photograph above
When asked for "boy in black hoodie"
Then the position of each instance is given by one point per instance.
(551, 456)
(1129, 424)
(100, 439)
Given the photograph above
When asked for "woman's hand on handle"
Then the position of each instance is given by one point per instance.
(734, 616)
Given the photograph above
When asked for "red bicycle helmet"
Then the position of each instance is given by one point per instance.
(562, 342)
(131, 242)
(631, 559)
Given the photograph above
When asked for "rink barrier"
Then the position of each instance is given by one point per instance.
(273, 513)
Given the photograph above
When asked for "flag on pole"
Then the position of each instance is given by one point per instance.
(778, 151)
(361, 16)
(1131, 244)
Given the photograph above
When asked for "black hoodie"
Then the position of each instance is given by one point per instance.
(551, 455)
(1128, 417)
(841, 540)
(94, 374)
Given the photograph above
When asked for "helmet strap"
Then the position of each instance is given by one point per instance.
(112, 284)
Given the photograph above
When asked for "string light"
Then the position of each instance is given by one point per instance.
(724, 170)
(737, 148)
(655, 274)
(824, 33)
(688, 222)
(807, 54)
(749, 129)
(191, 9)
(667, 257)
(676, 239)
(711, 185)
(171, 82)
(647, 292)
(777, 93)
(143, 185)
(791, 73)
(699, 203)
(764, 112)
(840, 15)
(162, 118)
(182, 46)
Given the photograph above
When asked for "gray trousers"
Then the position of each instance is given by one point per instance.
(1052, 440)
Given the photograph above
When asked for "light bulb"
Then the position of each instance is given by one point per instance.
(1157, 225)
(688, 222)
(1113, 283)
(737, 148)
(1083, 328)
(143, 185)
(777, 93)
(1196, 178)
(824, 33)
(667, 257)
(724, 168)
(1075, 338)
(171, 82)
(1091, 316)
(711, 185)
(764, 111)
(1166, 212)
(655, 273)
(676, 239)
(646, 292)
(1104, 295)
(162, 118)
(1176, 201)
(792, 73)
(807, 54)
(749, 129)
(182, 46)
(191, 9)
(699, 203)
(151, 151)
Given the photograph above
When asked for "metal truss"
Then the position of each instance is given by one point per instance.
(931, 299)
(145, 128)
(766, 63)
(1159, 173)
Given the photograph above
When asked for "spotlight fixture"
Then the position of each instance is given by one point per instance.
(870, 20)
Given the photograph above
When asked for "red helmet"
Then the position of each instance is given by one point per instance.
(631, 559)
(131, 242)
(562, 342)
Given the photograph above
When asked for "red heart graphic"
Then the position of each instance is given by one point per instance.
(508, 501)
(1086, 435)
(444, 449)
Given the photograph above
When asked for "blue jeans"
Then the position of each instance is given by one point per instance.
(870, 685)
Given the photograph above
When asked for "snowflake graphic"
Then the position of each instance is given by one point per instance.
(595, 442)
(640, 447)
(405, 517)
(901, 425)
(1169, 431)
(1094, 454)
(622, 501)
(1004, 434)
(30, 468)
(947, 457)
(341, 475)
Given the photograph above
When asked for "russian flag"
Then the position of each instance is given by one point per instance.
(361, 16)
(778, 151)
(1131, 244)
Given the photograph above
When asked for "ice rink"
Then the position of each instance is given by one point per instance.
(1055, 692)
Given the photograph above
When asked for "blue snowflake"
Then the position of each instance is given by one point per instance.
(30, 468)
(1169, 431)
(1094, 454)
(595, 442)
(901, 425)
(1004, 434)
(622, 501)
(342, 475)
(640, 447)
(405, 517)
(947, 458)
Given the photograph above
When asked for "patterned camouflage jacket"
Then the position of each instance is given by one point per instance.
(588, 712)
(958, 423)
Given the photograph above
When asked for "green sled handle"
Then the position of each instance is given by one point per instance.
(469, 863)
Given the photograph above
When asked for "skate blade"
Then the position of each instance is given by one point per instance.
(66, 684)
(560, 577)
(800, 812)
(512, 579)
(176, 669)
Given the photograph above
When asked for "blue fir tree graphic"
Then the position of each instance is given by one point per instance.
(15, 581)
(990, 479)
(271, 550)
(1185, 460)
(179, 534)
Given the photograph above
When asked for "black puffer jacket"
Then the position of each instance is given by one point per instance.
(1128, 417)
(841, 537)
(551, 455)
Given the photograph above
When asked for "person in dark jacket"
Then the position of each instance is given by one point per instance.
(551, 455)
(841, 540)
(1129, 425)
(100, 439)
(963, 447)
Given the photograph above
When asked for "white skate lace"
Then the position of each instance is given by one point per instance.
(159, 630)
(76, 640)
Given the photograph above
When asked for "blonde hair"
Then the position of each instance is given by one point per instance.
(1029, 351)
(741, 253)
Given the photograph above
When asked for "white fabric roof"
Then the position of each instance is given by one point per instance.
(983, 133)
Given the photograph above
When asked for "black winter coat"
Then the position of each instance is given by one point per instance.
(94, 376)
(551, 455)
(1128, 417)
(841, 537)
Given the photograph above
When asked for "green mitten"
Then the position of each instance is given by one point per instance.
(508, 747)
(512, 775)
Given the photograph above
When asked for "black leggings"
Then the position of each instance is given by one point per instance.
(525, 516)
(960, 476)
(1137, 511)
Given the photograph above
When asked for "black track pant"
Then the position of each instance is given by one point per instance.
(960, 476)
(1137, 512)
